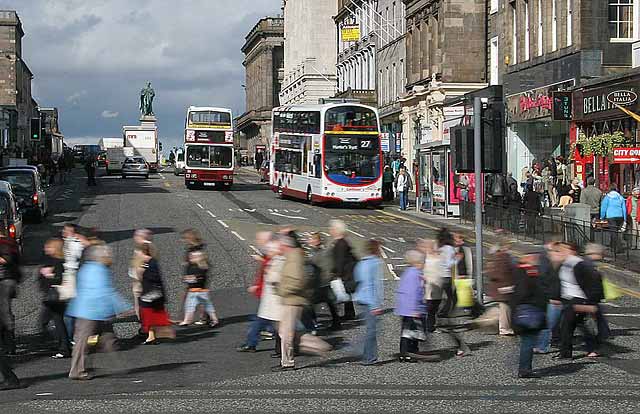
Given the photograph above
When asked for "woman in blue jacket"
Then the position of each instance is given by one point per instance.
(614, 209)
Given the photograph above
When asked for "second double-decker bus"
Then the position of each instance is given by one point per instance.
(208, 147)
(327, 153)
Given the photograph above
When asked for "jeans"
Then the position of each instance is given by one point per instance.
(569, 320)
(450, 303)
(544, 337)
(370, 353)
(403, 199)
(258, 324)
(527, 343)
(56, 311)
(7, 319)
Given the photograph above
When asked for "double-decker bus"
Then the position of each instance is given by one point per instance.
(327, 153)
(208, 147)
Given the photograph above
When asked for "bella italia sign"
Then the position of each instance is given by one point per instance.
(602, 103)
(608, 101)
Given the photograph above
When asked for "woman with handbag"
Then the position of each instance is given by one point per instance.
(528, 302)
(153, 314)
(51, 278)
(410, 306)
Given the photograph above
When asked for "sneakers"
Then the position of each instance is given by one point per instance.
(246, 348)
(267, 336)
(528, 374)
(59, 356)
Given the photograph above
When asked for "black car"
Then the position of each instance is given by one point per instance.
(27, 187)
(10, 216)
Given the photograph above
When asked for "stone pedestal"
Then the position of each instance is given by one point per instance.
(148, 121)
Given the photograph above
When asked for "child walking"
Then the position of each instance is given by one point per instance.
(197, 293)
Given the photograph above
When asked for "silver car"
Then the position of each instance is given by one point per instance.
(135, 166)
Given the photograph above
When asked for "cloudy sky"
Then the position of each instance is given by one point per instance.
(90, 58)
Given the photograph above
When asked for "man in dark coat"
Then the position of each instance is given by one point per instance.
(343, 263)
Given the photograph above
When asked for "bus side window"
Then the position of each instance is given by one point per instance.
(317, 161)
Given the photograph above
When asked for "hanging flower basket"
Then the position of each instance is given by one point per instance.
(602, 144)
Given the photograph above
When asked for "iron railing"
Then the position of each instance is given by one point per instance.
(623, 247)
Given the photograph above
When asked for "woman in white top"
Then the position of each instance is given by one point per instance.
(448, 260)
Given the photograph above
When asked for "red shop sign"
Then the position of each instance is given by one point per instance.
(626, 155)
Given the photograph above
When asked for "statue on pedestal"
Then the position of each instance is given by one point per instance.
(146, 100)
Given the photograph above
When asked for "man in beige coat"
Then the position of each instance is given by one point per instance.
(294, 291)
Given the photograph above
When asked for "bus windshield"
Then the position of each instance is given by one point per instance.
(350, 118)
(209, 156)
(210, 118)
(352, 159)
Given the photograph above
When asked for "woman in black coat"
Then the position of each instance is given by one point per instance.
(153, 314)
(529, 305)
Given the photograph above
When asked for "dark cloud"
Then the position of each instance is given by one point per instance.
(91, 58)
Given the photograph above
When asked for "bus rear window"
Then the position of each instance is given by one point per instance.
(351, 118)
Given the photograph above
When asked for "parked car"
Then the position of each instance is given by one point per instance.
(27, 187)
(10, 215)
(135, 166)
(102, 159)
(115, 159)
(180, 164)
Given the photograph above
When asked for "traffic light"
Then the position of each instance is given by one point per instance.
(35, 129)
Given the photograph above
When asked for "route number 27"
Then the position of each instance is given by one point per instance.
(365, 144)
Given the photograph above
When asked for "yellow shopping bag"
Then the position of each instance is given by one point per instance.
(464, 293)
(611, 291)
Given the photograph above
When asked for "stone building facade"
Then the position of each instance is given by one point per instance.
(17, 105)
(538, 47)
(356, 64)
(390, 63)
(310, 53)
(264, 61)
(445, 58)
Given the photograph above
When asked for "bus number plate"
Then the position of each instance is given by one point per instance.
(209, 184)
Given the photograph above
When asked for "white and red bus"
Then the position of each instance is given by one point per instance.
(208, 147)
(327, 153)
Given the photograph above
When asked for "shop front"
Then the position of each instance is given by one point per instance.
(533, 136)
(607, 133)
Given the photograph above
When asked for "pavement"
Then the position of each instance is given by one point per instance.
(201, 371)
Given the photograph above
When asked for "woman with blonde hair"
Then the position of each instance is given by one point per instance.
(197, 292)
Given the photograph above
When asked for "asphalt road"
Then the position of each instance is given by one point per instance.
(201, 372)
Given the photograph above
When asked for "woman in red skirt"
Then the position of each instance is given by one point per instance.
(153, 314)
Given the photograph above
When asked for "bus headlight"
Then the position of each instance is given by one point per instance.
(194, 175)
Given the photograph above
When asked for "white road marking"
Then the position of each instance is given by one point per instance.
(388, 249)
(250, 210)
(211, 214)
(289, 217)
(162, 176)
(325, 234)
(225, 225)
(383, 254)
(393, 272)
(200, 205)
(255, 249)
(43, 394)
(357, 234)
(238, 235)
(402, 265)
(397, 258)
(137, 381)
(623, 315)
(613, 305)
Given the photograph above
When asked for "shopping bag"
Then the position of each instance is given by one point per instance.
(611, 291)
(339, 291)
(464, 293)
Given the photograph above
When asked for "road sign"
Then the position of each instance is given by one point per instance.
(384, 142)
(626, 155)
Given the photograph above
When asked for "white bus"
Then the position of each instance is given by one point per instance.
(208, 147)
(327, 153)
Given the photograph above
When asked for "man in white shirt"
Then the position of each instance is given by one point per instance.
(403, 184)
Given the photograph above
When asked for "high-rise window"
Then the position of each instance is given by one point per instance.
(527, 30)
(514, 34)
(494, 60)
(569, 22)
(554, 25)
(621, 16)
(540, 29)
(494, 6)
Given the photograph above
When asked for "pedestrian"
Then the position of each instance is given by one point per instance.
(387, 184)
(403, 184)
(344, 262)
(549, 264)
(265, 245)
(614, 209)
(594, 255)
(140, 238)
(580, 296)
(90, 168)
(193, 243)
(320, 263)
(500, 271)
(294, 294)
(528, 302)
(633, 209)
(575, 190)
(197, 292)
(592, 196)
(532, 205)
(270, 308)
(10, 277)
(9, 379)
(153, 314)
(447, 262)
(51, 280)
(433, 281)
(369, 295)
(410, 306)
(95, 305)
